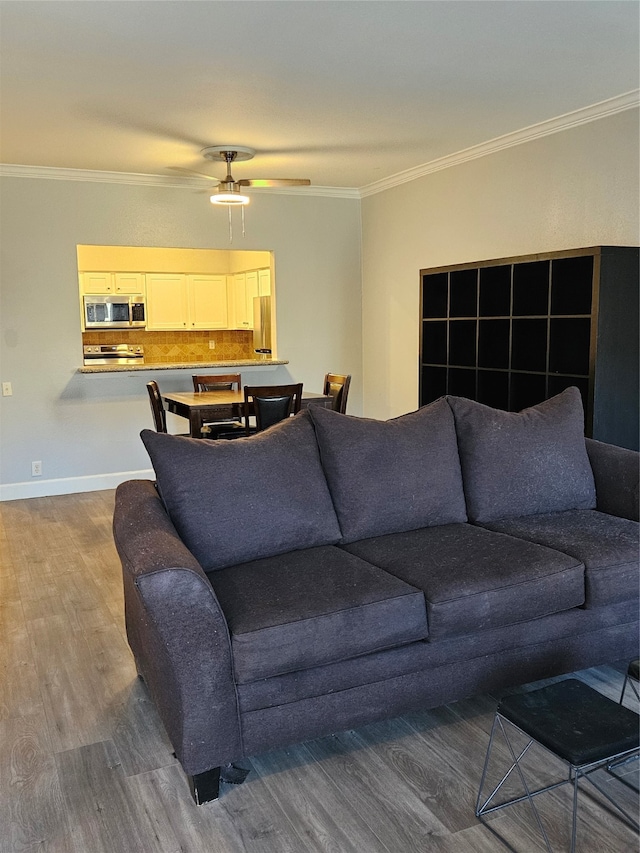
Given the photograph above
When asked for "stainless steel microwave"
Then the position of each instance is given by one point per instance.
(114, 312)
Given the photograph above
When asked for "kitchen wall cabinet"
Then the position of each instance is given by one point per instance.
(208, 305)
(129, 282)
(187, 301)
(177, 301)
(237, 288)
(167, 301)
(112, 282)
(96, 282)
(264, 282)
(512, 332)
(243, 288)
(250, 294)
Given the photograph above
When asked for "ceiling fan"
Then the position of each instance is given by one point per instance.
(228, 190)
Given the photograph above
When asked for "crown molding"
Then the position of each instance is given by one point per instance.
(53, 173)
(603, 109)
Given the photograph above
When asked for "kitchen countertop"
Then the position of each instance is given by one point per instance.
(196, 365)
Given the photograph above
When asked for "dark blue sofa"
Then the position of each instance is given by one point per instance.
(335, 570)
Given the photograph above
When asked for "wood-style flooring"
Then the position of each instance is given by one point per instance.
(85, 765)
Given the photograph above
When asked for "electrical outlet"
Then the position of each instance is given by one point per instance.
(212, 344)
(36, 469)
(7, 390)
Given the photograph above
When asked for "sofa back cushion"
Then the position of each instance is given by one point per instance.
(524, 463)
(234, 501)
(390, 476)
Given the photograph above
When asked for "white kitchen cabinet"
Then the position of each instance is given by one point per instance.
(96, 282)
(244, 287)
(208, 306)
(128, 282)
(250, 294)
(264, 282)
(112, 282)
(251, 279)
(177, 301)
(239, 318)
(167, 301)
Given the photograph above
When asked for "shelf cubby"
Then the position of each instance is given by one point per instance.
(435, 296)
(462, 343)
(463, 293)
(531, 289)
(494, 343)
(514, 331)
(495, 291)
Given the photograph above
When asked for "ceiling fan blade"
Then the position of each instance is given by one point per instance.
(192, 173)
(274, 182)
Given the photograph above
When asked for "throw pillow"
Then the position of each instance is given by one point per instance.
(524, 463)
(235, 501)
(390, 476)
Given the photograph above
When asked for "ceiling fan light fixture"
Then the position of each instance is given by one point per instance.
(229, 198)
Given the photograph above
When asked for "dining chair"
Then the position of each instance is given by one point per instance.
(225, 427)
(157, 408)
(336, 386)
(270, 404)
(220, 382)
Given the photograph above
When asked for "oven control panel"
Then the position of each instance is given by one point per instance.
(110, 353)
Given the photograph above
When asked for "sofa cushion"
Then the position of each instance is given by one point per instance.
(233, 501)
(389, 476)
(607, 545)
(524, 463)
(474, 579)
(313, 607)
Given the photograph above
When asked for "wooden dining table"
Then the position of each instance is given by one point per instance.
(200, 407)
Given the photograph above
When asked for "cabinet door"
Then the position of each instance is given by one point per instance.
(167, 303)
(207, 301)
(240, 316)
(128, 282)
(250, 295)
(96, 282)
(264, 282)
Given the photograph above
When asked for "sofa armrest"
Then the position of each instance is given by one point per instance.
(616, 471)
(177, 632)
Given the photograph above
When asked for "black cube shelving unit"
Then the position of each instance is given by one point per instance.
(515, 331)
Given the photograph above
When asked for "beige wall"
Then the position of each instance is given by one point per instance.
(84, 428)
(146, 259)
(572, 189)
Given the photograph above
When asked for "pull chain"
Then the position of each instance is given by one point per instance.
(231, 223)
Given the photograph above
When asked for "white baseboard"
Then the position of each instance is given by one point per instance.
(70, 485)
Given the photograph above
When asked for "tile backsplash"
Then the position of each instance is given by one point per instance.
(177, 347)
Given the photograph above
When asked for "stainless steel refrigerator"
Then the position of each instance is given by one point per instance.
(262, 326)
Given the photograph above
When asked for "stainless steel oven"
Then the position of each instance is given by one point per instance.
(113, 354)
(114, 312)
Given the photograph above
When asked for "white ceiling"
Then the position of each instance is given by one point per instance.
(344, 93)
